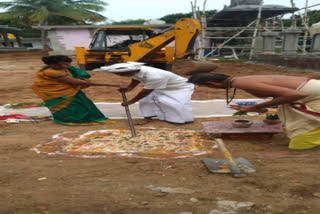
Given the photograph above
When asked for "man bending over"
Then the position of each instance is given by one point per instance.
(297, 98)
(164, 95)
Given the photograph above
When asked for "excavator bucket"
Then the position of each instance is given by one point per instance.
(189, 67)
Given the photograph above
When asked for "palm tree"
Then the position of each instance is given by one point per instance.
(53, 12)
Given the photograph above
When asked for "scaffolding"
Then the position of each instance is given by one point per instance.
(244, 39)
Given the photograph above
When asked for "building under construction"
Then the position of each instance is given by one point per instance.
(241, 16)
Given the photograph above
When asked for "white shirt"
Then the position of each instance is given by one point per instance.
(161, 80)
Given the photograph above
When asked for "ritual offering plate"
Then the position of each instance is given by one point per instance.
(245, 103)
(149, 143)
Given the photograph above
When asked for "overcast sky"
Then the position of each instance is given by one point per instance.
(119, 10)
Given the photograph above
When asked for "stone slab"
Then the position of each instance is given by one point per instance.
(227, 128)
(258, 131)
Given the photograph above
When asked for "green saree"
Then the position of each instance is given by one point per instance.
(68, 104)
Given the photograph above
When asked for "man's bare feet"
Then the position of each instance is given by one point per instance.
(284, 154)
(143, 122)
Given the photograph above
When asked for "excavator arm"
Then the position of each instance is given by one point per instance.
(184, 34)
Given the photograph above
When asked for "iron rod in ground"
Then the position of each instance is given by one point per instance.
(123, 93)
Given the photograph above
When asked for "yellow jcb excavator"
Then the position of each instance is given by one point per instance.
(116, 44)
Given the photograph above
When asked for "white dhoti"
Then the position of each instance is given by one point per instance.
(170, 106)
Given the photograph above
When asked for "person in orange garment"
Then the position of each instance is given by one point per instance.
(59, 85)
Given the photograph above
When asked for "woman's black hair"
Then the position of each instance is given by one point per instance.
(49, 60)
(202, 79)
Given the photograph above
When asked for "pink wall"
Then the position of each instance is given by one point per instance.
(71, 38)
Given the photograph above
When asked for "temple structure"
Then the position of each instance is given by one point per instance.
(242, 12)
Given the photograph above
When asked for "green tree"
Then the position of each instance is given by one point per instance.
(173, 18)
(130, 22)
(314, 17)
(169, 19)
(52, 12)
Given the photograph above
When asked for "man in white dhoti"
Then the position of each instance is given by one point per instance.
(164, 95)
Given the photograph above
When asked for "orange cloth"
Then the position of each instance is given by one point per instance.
(47, 87)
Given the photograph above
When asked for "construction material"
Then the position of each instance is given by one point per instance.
(123, 93)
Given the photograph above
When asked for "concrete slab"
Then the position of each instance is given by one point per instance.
(201, 109)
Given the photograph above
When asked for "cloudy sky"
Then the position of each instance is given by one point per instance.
(119, 10)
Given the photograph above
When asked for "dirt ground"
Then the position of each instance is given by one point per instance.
(117, 185)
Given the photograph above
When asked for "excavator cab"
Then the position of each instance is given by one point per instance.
(110, 45)
(118, 39)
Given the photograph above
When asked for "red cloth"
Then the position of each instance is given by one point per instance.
(13, 116)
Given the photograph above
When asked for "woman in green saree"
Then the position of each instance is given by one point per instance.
(59, 85)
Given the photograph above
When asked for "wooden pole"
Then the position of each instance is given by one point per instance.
(306, 24)
(18, 40)
(309, 6)
(282, 24)
(6, 39)
(44, 40)
(256, 30)
(194, 16)
(293, 18)
(194, 9)
(203, 33)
